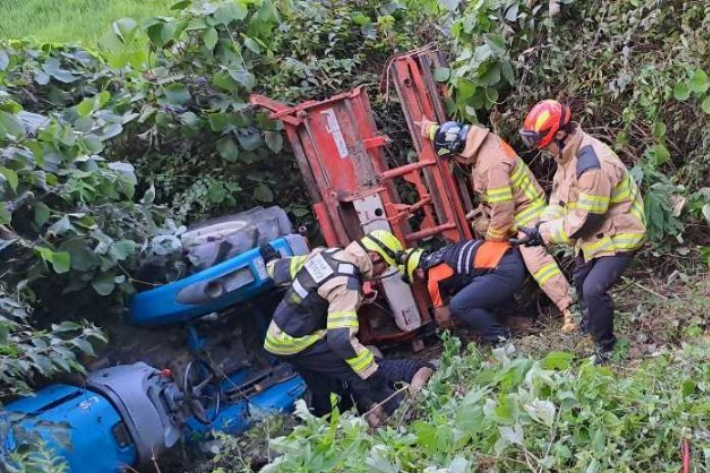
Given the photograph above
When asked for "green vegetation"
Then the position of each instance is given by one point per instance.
(106, 155)
(70, 21)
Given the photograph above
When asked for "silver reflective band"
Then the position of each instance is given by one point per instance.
(300, 290)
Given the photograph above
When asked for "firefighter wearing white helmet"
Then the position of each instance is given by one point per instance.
(315, 327)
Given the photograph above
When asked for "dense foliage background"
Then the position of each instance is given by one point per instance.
(109, 149)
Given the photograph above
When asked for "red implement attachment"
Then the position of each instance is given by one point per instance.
(354, 190)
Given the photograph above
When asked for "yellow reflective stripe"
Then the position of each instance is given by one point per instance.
(624, 190)
(362, 361)
(557, 232)
(544, 274)
(593, 203)
(529, 214)
(296, 264)
(553, 212)
(521, 180)
(343, 319)
(638, 212)
(628, 241)
(284, 344)
(604, 243)
(499, 194)
(270, 270)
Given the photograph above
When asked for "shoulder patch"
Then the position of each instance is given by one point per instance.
(587, 159)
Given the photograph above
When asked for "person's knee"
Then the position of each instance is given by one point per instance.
(595, 291)
(459, 305)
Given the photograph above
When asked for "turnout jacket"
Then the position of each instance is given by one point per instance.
(321, 303)
(504, 182)
(595, 204)
(454, 266)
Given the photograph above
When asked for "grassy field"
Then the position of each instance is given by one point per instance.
(83, 21)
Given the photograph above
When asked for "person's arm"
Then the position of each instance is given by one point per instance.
(283, 270)
(499, 196)
(587, 217)
(438, 273)
(342, 327)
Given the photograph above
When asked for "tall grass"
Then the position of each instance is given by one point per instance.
(83, 21)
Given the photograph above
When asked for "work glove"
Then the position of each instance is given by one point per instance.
(268, 252)
(427, 129)
(532, 237)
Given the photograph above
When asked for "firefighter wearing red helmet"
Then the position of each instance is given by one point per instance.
(510, 195)
(595, 206)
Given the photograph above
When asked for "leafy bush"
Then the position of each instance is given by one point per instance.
(519, 414)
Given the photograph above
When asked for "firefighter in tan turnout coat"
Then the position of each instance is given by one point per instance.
(595, 206)
(511, 195)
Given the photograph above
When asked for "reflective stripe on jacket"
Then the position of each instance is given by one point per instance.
(504, 182)
(453, 266)
(319, 305)
(595, 203)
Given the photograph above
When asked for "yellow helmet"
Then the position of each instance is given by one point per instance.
(384, 243)
(410, 260)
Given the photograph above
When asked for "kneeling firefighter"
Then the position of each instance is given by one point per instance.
(595, 206)
(316, 324)
(475, 276)
(511, 196)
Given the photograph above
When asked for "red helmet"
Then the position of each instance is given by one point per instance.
(543, 122)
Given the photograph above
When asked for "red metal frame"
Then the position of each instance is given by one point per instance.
(351, 185)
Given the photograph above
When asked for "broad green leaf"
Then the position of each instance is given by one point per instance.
(181, 5)
(224, 81)
(441, 74)
(228, 149)
(123, 249)
(251, 45)
(274, 141)
(449, 5)
(541, 411)
(681, 91)
(230, 11)
(706, 105)
(85, 107)
(659, 129)
(699, 83)
(497, 43)
(61, 262)
(218, 121)
(10, 177)
(4, 60)
(661, 154)
(5, 216)
(706, 212)
(41, 212)
(263, 193)
(211, 38)
(60, 227)
(11, 125)
(557, 360)
(177, 93)
(84, 346)
(125, 29)
(104, 284)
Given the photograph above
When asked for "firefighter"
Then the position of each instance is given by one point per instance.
(475, 276)
(595, 206)
(512, 198)
(315, 326)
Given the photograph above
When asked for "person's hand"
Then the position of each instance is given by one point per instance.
(425, 127)
(532, 237)
(268, 252)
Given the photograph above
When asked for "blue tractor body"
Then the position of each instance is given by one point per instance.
(129, 413)
(77, 424)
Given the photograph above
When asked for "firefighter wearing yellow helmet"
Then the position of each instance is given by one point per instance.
(315, 327)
